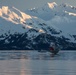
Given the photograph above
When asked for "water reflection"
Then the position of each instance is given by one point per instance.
(34, 55)
(22, 71)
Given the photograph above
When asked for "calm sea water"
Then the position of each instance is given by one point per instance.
(37, 63)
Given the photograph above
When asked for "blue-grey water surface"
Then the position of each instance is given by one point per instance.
(37, 63)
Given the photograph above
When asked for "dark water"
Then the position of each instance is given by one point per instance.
(37, 63)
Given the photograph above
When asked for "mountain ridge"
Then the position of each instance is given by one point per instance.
(17, 27)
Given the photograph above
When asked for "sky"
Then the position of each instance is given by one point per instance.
(27, 4)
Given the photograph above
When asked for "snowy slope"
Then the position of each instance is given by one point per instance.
(45, 12)
(61, 16)
(18, 21)
(50, 10)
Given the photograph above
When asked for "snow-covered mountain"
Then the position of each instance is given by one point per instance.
(50, 10)
(37, 27)
(61, 16)
(20, 22)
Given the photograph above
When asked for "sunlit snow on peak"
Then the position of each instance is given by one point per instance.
(52, 5)
(13, 14)
(70, 13)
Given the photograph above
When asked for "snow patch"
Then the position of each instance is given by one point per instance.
(52, 5)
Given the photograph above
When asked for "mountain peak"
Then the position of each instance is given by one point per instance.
(67, 5)
(52, 5)
(13, 14)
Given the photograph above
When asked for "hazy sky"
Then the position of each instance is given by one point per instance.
(25, 4)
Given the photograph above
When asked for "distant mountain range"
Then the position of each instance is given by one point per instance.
(36, 28)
